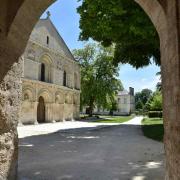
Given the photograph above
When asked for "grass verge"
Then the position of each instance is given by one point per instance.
(119, 119)
(153, 128)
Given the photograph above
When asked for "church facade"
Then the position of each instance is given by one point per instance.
(51, 78)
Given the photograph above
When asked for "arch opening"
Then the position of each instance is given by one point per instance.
(64, 78)
(42, 100)
(43, 72)
(41, 110)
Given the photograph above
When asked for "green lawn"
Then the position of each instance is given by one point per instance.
(119, 119)
(153, 128)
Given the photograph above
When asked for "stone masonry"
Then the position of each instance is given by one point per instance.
(17, 19)
(59, 88)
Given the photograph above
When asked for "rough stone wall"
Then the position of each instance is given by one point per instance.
(59, 102)
(57, 59)
(14, 33)
(166, 18)
(171, 87)
(10, 97)
(35, 54)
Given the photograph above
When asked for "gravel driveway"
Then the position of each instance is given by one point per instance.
(108, 153)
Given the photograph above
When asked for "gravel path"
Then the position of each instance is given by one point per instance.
(47, 128)
(118, 152)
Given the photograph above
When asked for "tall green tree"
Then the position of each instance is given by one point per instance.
(156, 102)
(99, 82)
(124, 24)
(141, 98)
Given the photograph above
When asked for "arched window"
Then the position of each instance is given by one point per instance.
(42, 72)
(47, 40)
(26, 97)
(75, 81)
(64, 79)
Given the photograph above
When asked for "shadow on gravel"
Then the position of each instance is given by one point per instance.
(106, 153)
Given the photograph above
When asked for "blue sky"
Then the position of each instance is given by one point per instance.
(66, 20)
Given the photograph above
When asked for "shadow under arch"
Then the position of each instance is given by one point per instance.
(41, 110)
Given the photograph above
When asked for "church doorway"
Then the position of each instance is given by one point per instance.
(41, 110)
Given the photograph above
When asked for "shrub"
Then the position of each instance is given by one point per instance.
(153, 114)
(156, 102)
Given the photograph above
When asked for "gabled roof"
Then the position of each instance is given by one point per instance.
(60, 46)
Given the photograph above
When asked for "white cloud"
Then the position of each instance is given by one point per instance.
(149, 83)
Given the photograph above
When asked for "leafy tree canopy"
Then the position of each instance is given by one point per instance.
(141, 98)
(99, 82)
(156, 102)
(124, 24)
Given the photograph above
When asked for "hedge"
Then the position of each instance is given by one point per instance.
(153, 114)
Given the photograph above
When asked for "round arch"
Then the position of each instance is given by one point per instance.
(41, 110)
(26, 13)
(157, 16)
(29, 91)
(46, 95)
(27, 95)
(45, 69)
(59, 97)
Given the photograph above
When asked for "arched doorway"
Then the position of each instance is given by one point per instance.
(41, 110)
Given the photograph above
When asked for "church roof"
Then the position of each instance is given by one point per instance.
(44, 28)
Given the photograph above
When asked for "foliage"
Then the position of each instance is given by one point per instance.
(113, 107)
(159, 86)
(124, 24)
(141, 98)
(153, 128)
(139, 105)
(98, 76)
(156, 102)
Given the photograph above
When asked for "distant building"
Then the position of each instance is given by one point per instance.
(125, 104)
(51, 78)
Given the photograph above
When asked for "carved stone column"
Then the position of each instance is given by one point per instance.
(35, 112)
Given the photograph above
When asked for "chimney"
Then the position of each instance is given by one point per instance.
(131, 91)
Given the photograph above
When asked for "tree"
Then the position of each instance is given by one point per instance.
(141, 98)
(156, 102)
(139, 105)
(113, 107)
(159, 84)
(123, 23)
(99, 82)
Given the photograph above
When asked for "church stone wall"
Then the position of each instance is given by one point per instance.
(60, 102)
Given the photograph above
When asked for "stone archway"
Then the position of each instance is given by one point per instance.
(17, 19)
(45, 69)
(41, 110)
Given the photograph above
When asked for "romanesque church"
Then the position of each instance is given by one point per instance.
(51, 78)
